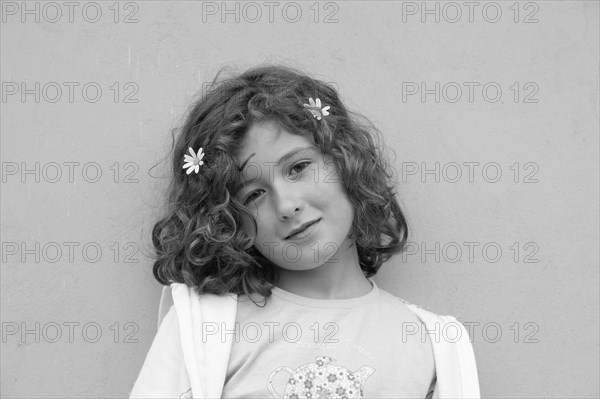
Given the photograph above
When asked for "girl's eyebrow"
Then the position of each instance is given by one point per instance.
(284, 158)
(240, 168)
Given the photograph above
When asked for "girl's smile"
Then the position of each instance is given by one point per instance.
(303, 232)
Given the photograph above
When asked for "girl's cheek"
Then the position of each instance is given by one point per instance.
(247, 225)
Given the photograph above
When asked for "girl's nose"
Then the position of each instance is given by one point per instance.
(288, 202)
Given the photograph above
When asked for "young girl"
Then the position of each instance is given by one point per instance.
(281, 211)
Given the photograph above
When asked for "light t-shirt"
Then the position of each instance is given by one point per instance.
(371, 346)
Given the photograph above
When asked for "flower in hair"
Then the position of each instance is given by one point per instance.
(192, 163)
(315, 108)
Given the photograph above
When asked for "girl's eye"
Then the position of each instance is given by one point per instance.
(251, 196)
(254, 195)
(301, 163)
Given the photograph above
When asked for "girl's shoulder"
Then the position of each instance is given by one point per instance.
(426, 316)
(184, 298)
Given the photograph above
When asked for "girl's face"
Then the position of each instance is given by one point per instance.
(288, 184)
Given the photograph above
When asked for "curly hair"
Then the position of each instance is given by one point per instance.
(200, 242)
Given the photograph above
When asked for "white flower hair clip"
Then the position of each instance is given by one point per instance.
(192, 163)
(315, 108)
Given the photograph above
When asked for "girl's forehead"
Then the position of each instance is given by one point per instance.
(270, 142)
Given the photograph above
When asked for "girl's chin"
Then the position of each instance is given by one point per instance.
(300, 268)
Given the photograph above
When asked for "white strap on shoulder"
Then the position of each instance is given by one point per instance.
(466, 357)
(455, 360)
(166, 301)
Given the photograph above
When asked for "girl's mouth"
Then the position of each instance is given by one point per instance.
(306, 232)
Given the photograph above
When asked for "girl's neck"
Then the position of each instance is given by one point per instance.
(339, 278)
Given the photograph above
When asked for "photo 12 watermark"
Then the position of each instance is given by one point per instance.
(69, 252)
(53, 332)
(470, 171)
(71, 92)
(470, 92)
(270, 331)
(69, 172)
(490, 332)
(252, 12)
(55, 12)
(487, 12)
(470, 252)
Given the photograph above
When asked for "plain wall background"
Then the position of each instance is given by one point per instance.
(545, 311)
